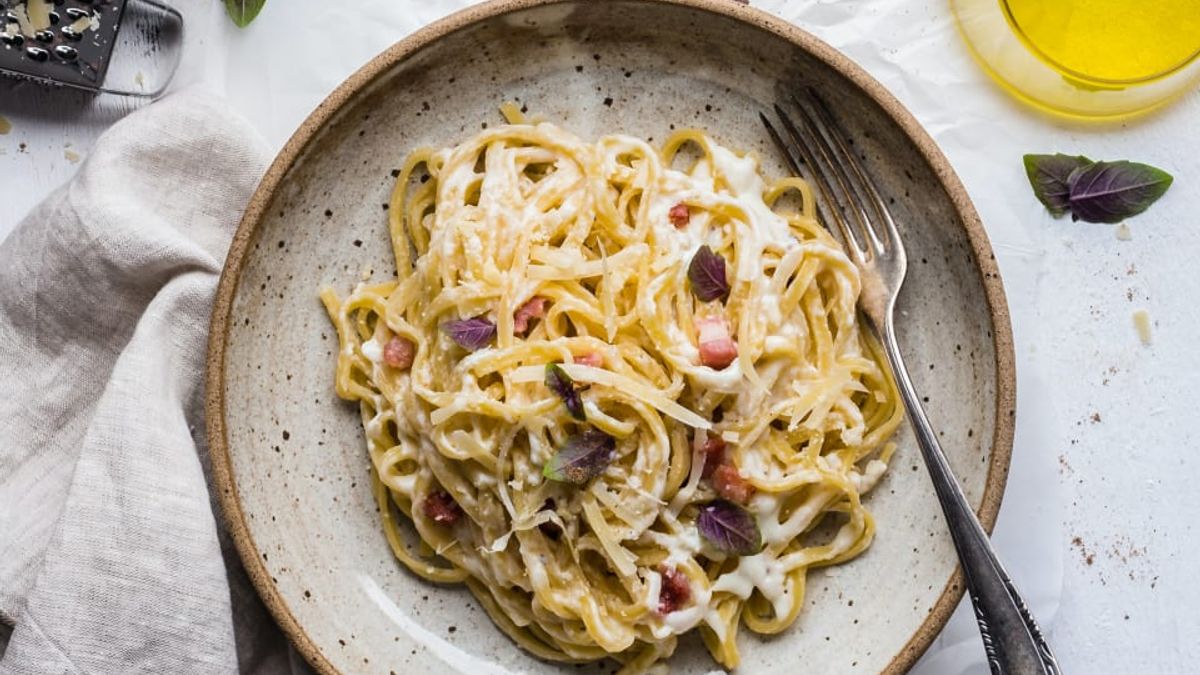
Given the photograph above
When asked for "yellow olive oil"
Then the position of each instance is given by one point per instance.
(1113, 42)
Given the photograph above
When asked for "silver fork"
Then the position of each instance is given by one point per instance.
(850, 200)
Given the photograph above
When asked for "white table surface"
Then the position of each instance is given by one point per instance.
(1097, 524)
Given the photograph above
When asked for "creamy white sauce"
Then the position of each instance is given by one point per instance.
(684, 545)
(762, 572)
(869, 478)
(687, 618)
(764, 227)
(373, 351)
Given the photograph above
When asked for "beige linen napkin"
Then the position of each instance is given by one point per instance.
(111, 560)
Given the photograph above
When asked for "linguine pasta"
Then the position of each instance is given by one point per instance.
(726, 443)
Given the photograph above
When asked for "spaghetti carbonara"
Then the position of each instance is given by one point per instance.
(615, 389)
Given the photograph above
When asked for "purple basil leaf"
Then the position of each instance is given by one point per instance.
(707, 274)
(470, 334)
(560, 383)
(583, 457)
(1049, 175)
(729, 528)
(1109, 192)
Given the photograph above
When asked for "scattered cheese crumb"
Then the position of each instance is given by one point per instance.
(140, 80)
(39, 14)
(5, 125)
(1123, 233)
(23, 20)
(1141, 322)
(81, 24)
(72, 156)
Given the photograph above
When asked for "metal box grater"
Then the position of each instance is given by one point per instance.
(73, 42)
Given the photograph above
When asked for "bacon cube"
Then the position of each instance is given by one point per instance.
(399, 352)
(592, 359)
(729, 484)
(675, 591)
(713, 449)
(680, 216)
(535, 308)
(441, 508)
(717, 347)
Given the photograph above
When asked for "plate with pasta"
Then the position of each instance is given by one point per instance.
(541, 357)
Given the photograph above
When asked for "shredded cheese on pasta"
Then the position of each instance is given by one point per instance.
(577, 573)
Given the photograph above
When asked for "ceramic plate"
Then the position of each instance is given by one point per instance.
(289, 456)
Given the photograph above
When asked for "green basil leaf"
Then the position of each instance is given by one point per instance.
(243, 11)
(1049, 176)
(1109, 192)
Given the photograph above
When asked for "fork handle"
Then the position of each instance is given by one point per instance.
(1011, 637)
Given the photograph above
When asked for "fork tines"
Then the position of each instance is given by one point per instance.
(849, 198)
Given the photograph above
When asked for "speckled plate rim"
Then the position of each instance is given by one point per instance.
(223, 477)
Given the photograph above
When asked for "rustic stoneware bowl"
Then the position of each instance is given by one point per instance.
(289, 458)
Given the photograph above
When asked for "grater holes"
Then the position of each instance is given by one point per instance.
(85, 30)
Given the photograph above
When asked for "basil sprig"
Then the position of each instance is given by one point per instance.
(1095, 192)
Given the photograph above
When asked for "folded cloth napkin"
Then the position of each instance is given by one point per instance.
(111, 558)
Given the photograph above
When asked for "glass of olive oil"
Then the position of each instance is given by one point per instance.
(1086, 58)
